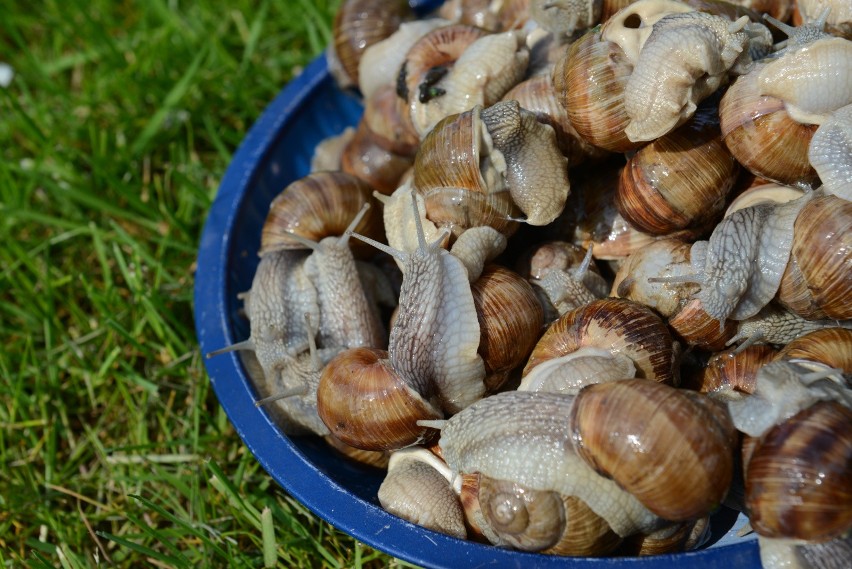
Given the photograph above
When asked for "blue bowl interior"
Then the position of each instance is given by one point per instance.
(275, 152)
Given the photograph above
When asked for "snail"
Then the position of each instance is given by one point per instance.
(489, 166)
(782, 389)
(664, 90)
(567, 278)
(453, 68)
(420, 488)
(770, 114)
(552, 432)
(436, 302)
(679, 181)
(618, 326)
(359, 24)
(838, 21)
(740, 267)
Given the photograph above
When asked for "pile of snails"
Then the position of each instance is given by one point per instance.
(580, 275)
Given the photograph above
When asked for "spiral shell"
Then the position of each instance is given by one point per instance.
(830, 347)
(589, 82)
(366, 404)
(359, 24)
(799, 479)
(734, 371)
(673, 449)
(679, 181)
(319, 205)
(460, 180)
(617, 325)
(816, 282)
(535, 520)
(762, 136)
(510, 321)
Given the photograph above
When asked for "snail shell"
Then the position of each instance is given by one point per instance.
(663, 258)
(444, 75)
(390, 54)
(816, 282)
(510, 321)
(831, 347)
(619, 326)
(678, 181)
(460, 176)
(359, 24)
(366, 404)
(761, 135)
(733, 372)
(319, 205)
(596, 222)
(417, 488)
(681, 444)
(589, 81)
(799, 478)
(535, 520)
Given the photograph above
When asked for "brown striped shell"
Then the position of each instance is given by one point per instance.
(678, 181)
(829, 346)
(359, 24)
(673, 449)
(367, 405)
(460, 186)
(694, 326)
(761, 135)
(614, 324)
(817, 282)
(321, 204)
(510, 321)
(536, 95)
(589, 82)
(734, 370)
(540, 520)
(799, 478)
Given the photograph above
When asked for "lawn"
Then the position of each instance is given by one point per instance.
(116, 129)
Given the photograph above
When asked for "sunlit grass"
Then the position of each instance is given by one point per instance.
(116, 129)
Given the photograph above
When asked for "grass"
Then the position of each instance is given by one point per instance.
(116, 129)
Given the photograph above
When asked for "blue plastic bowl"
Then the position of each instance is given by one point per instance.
(277, 151)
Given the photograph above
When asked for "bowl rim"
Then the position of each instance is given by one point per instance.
(276, 453)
